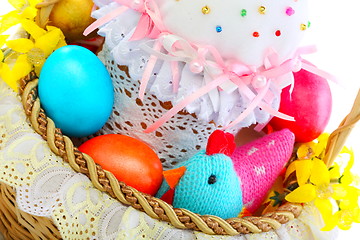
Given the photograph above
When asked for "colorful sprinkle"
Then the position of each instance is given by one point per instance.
(278, 33)
(256, 34)
(205, 10)
(303, 27)
(309, 24)
(218, 28)
(262, 10)
(243, 12)
(290, 11)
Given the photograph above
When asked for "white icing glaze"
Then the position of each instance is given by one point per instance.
(236, 40)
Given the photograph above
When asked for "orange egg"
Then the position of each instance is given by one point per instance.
(130, 160)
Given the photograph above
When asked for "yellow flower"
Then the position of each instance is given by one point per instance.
(322, 140)
(20, 69)
(348, 198)
(313, 149)
(331, 190)
(347, 177)
(44, 41)
(2, 42)
(33, 51)
(345, 217)
(306, 150)
(347, 202)
(314, 185)
(319, 186)
(8, 20)
(24, 9)
(303, 171)
(335, 171)
(327, 188)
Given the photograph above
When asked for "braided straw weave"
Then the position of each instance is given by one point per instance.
(16, 224)
(338, 137)
(105, 181)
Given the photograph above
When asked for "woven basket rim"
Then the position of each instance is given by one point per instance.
(105, 181)
(17, 224)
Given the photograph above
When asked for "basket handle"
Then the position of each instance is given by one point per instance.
(338, 137)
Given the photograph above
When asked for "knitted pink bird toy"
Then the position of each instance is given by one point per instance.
(259, 163)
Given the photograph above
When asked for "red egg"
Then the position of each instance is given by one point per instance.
(310, 104)
(130, 160)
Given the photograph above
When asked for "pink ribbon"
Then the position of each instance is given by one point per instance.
(253, 83)
(105, 19)
(148, 70)
(149, 25)
(177, 50)
(260, 79)
(192, 97)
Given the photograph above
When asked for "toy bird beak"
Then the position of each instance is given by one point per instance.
(173, 176)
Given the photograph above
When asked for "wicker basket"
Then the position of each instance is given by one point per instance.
(16, 224)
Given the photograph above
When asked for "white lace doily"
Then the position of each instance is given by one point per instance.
(47, 186)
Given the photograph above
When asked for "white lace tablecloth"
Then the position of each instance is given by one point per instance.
(47, 186)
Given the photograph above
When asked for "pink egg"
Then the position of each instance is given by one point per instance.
(310, 104)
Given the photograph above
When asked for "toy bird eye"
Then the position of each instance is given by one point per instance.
(212, 179)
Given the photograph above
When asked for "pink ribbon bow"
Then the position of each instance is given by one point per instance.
(149, 25)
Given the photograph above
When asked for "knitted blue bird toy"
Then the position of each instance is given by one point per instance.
(207, 183)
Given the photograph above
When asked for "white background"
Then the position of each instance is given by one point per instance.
(335, 29)
(336, 32)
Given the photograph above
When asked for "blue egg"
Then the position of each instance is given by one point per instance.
(76, 91)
